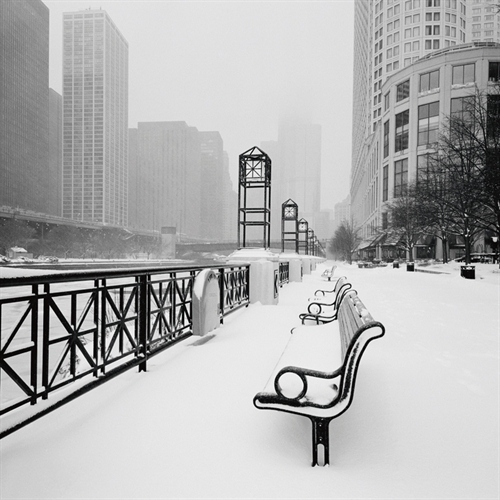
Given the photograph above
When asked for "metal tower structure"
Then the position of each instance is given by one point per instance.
(290, 225)
(303, 234)
(254, 197)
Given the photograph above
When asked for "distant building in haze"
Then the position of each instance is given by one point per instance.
(179, 178)
(55, 151)
(95, 126)
(342, 212)
(212, 186)
(25, 180)
(165, 178)
(296, 174)
(230, 221)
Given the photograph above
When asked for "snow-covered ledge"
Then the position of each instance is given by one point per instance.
(205, 302)
(264, 269)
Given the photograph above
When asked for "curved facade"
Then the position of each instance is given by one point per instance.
(416, 100)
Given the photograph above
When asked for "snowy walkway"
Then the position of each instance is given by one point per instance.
(424, 422)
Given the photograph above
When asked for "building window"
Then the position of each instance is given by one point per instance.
(422, 167)
(493, 116)
(494, 71)
(387, 101)
(385, 183)
(400, 177)
(428, 123)
(403, 91)
(386, 139)
(385, 223)
(401, 136)
(463, 108)
(464, 73)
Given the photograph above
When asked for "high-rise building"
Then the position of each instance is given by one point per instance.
(388, 36)
(24, 106)
(212, 191)
(230, 221)
(95, 116)
(342, 212)
(483, 21)
(164, 182)
(391, 37)
(295, 170)
(55, 151)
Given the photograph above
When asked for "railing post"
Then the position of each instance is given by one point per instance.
(143, 321)
(72, 340)
(96, 332)
(221, 294)
(104, 291)
(34, 339)
(248, 283)
(45, 341)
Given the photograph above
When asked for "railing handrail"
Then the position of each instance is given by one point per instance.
(87, 275)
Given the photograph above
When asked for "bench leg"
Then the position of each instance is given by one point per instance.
(320, 436)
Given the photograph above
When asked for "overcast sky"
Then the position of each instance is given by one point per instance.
(236, 67)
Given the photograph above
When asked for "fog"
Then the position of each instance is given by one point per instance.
(237, 67)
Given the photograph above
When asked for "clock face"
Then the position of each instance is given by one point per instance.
(303, 227)
(290, 213)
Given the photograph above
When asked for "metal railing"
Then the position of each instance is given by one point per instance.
(284, 273)
(60, 328)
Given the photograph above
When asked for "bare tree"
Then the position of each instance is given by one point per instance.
(463, 176)
(407, 215)
(345, 241)
(14, 232)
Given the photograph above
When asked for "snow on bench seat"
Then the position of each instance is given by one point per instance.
(315, 376)
(316, 349)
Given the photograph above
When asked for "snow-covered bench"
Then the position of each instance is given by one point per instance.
(316, 374)
(323, 306)
(328, 273)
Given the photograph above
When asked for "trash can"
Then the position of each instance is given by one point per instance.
(395, 265)
(410, 266)
(468, 272)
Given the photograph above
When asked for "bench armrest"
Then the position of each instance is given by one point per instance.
(298, 389)
(317, 318)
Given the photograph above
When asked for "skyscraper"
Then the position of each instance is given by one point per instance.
(412, 67)
(24, 106)
(483, 21)
(55, 151)
(95, 116)
(296, 170)
(165, 177)
(392, 35)
(212, 180)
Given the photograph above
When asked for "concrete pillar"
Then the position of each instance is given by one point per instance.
(294, 265)
(264, 273)
(263, 285)
(306, 265)
(295, 270)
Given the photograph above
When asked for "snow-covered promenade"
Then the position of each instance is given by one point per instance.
(424, 422)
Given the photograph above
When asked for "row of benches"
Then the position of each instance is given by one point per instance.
(316, 373)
